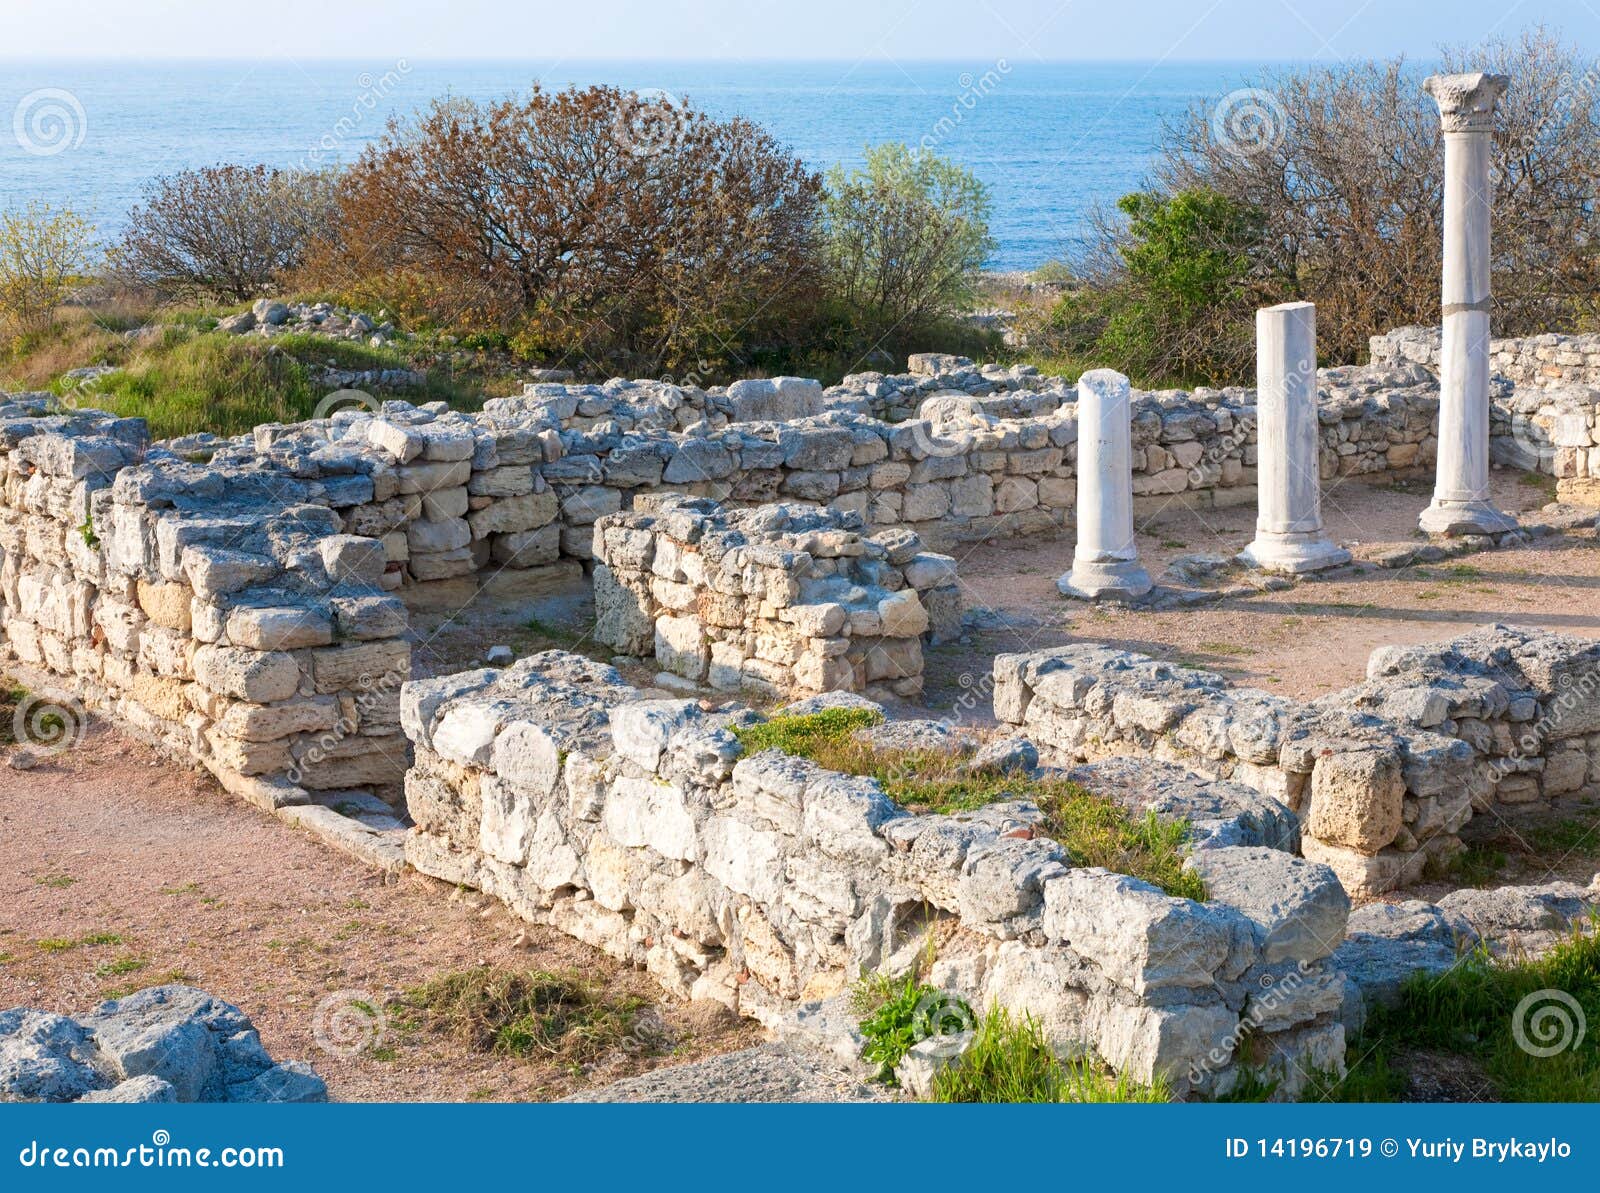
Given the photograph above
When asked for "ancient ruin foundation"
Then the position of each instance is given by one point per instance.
(780, 598)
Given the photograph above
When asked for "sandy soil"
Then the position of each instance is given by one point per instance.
(1302, 642)
(111, 842)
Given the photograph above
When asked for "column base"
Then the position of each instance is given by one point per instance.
(1091, 579)
(1464, 517)
(1294, 554)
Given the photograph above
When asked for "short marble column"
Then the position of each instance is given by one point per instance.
(1461, 502)
(1289, 534)
(1105, 561)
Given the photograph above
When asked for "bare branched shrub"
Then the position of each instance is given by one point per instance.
(1349, 189)
(588, 223)
(228, 232)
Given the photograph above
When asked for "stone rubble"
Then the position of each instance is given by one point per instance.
(1383, 776)
(162, 1044)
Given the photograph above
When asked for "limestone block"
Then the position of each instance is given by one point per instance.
(1298, 906)
(680, 646)
(363, 666)
(166, 604)
(1139, 937)
(1355, 798)
(260, 677)
(284, 627)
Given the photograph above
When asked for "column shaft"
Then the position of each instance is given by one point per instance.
(1105, 561)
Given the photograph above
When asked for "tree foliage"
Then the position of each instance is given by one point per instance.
(228, 231)
(905, 237)
(44, 251)
(1349, 188)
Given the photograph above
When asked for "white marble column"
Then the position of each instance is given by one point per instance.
(1105, 561)
(1289, 535)
(1461, 503)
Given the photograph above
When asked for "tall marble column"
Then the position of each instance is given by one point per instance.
(1105, 562)
(1289, 534)
(1461, 503)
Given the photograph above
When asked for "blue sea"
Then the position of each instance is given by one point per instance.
(1051, 140)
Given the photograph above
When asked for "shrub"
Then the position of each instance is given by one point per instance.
(1177, 301)
(591, 223)
(43, 252)
(904, 238)
(228, 231)
(1347, 179)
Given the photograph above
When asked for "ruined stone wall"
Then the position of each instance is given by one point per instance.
(1384, 776)
(991, 454)
(1545, 411)
(765, 882)
(779, 598)
(223, 616)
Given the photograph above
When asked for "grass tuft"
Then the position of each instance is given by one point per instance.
(532, 1012)
(1093, 830)
(1480, 1008)
(1011, 1061)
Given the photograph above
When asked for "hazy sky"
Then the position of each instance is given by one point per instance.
(902, 30)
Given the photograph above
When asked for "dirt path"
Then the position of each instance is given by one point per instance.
(1302, 642)
(119, 869)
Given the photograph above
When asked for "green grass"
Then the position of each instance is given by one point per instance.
(1474, 1010)
(56, 882)
(122, 965)
(1477, 865)
(529, 1013)
(185, 376)
(1092, 830)
(1011, 1061)
(11, 695)
(61, 944)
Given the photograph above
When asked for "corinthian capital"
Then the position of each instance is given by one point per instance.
(1466, 102)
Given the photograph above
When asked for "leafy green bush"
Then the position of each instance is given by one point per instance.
(1177, 306)
(43, 253)
(900, 1016)
(903, 240)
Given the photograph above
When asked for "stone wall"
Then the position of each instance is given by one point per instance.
(767, 883)
(783, 599)
(221, 615)
(92, 511)
(1545, 412)
(1384, 776)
